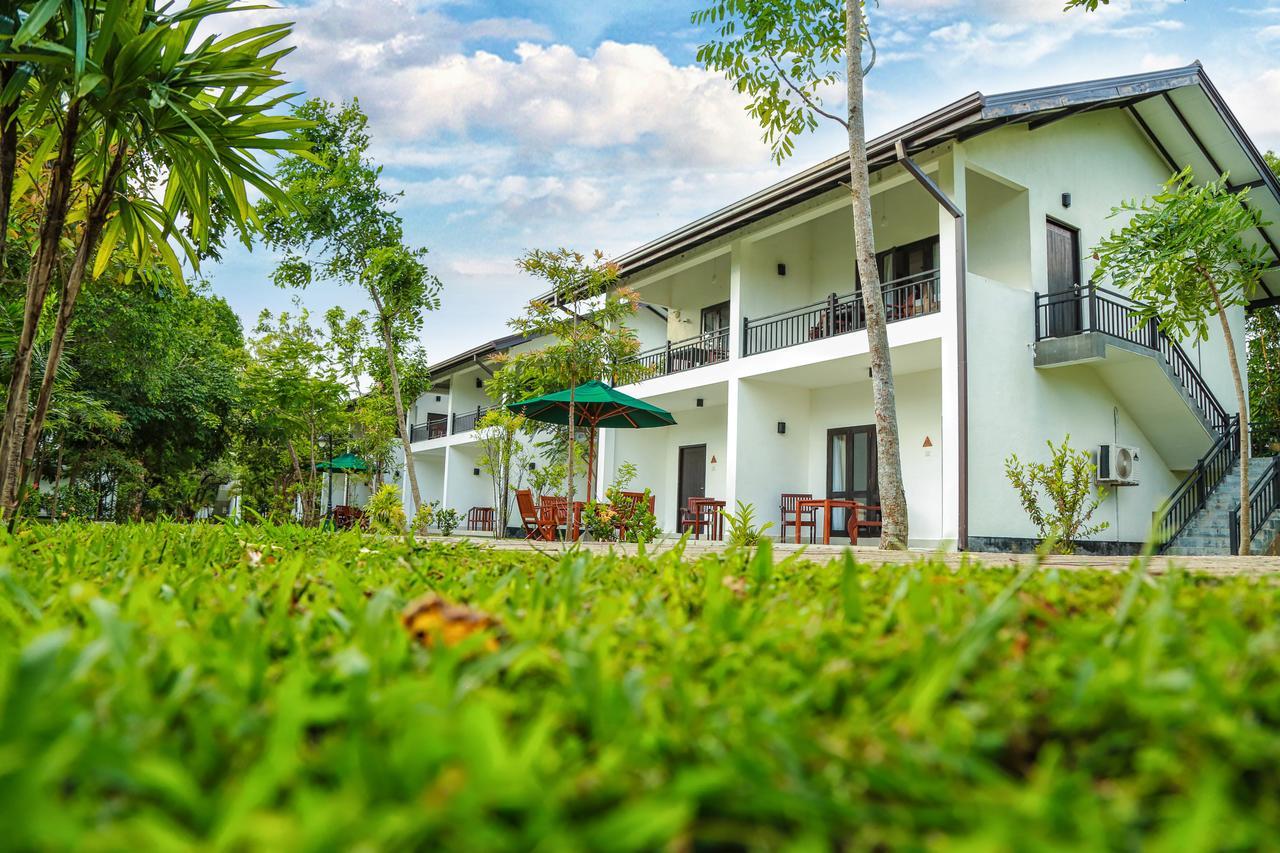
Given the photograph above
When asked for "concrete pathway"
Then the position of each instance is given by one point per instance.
(1221, 566)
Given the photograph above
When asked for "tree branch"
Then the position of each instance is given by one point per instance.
(809, 102)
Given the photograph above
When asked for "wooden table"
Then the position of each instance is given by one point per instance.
(826, 505)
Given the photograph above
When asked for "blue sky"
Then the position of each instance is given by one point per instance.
(518, 125)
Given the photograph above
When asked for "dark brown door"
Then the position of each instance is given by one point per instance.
(851, 472)
(692, 482)
(715, 317)
(1064, 280)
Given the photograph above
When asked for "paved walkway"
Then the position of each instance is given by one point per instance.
(1222, 566)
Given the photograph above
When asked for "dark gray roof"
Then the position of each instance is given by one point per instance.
(1179, 109)
(476, 354)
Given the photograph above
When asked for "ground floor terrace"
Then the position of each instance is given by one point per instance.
(771, 433)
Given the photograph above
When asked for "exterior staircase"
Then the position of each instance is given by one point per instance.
(1210, 529)
(1201, 517)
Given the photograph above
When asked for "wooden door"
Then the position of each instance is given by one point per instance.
(692, 476)
(851, 471)
(1063, 279)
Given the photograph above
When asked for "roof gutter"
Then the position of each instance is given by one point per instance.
(962, 340)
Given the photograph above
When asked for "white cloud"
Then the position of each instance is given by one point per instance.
(552, 96)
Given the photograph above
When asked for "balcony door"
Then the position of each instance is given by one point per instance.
(851, 471)
(1064, 278)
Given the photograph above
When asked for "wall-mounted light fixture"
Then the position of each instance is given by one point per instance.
(437, 398)
(475, 472)
(533, 466)
(713, 460)
(1066, 199)
(698, 402)
(782, 269)
(782, 427)
(927, 442)
(479, 382)
(868, 372)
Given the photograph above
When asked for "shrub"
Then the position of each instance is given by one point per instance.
(385, 510)
(598, 519)
(743, 531)
(447, 520)
(1059, 496)
(424, 517)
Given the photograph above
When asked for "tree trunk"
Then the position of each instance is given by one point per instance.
(1246, 525)
(297, 470)
(401, 427)
(57, 200)
(893, 500)
(94, 224)
(8, 162)
(57, 482)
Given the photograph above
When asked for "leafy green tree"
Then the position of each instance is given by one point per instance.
(119, 90)
(1184, 256)
(174, 385)
(782, 54)
(502, 457)
(348, 231)
(584, 322)
(293, 401)
(1263, 334)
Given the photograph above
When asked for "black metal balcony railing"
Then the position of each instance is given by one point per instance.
(1264, 497)
(675, 356)
(466, 421)
(910, 296)
(436, 426)
(1094, 309)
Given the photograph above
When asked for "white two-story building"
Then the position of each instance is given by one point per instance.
(984, 215)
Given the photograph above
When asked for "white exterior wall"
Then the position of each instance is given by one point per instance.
(1102, 160)
(1008, 182)
(656, 455)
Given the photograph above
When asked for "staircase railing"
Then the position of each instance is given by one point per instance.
(1096, 309)
(1264, 497)
(1191, 494)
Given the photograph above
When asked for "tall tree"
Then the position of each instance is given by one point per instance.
(1184, 253)
(783, 54)
(133, 91)
(293, 400)
(584, 322)
(348, 231)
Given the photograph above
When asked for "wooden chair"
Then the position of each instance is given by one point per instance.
(345, 517)
(529, 517)
(797, 520)
(856, 524)
(553, 511)
(628, 502)
(697, 518)
(480, 518)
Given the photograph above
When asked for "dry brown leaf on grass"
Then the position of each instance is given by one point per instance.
(432, 616)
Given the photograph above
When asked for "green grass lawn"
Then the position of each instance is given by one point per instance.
(173, 687)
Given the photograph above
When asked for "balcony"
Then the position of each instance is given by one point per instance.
(436, 426)
(911, 296)
(466, 421)
(1078, 326)
(678, 356)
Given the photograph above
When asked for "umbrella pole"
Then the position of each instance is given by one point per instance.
(591, 463)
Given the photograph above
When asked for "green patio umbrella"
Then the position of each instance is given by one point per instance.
(595, 405)
(347, 462)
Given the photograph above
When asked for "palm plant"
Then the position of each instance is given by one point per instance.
(136, 95)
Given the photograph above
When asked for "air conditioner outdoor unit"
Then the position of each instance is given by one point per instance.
(1118, 465)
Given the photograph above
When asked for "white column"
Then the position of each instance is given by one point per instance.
(950, 178)
(738, 252)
